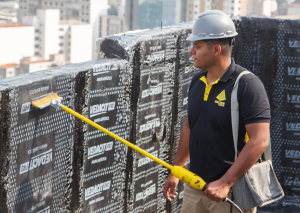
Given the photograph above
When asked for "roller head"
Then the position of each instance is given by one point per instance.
(45, 101)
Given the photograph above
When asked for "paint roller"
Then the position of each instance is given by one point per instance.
(179, 172)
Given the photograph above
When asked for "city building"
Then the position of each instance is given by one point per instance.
(261, 7)
(62, 41)
(144, 14)
(8, 12)
(231, 7)
(86, 11)
(293, 9)
(110, 25)
(34, 66)
(120, 5)
(8, 70)
(16, 42)
(181, 9)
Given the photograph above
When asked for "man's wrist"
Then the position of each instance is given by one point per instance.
(227, 180)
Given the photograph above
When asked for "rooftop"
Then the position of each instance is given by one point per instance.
(13, 25)
(35, 62)
(8, 65)
(72, 22)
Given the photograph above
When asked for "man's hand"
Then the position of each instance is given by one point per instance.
(217, 190)
(170, 187)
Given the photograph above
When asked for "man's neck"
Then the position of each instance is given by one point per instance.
(217, 70)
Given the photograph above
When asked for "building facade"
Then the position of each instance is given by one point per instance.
(146, 14)
(68, 41)
(8, 70)
(261, 7)
(110, 25)
(84, 11)
(231, 7)
(16, 49)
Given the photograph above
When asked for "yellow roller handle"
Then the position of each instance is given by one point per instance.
(178, 171)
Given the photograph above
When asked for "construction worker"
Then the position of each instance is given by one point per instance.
(206, 137)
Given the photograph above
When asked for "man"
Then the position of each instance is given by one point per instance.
(206, 137)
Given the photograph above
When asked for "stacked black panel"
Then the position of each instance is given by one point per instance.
(185, 70)
(104, 160)
(38, 145)
(271, 50)
(153, 57)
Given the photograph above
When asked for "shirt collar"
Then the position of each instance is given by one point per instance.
(229, 73)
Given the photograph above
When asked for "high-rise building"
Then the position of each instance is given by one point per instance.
(110, 25)
(60, 40)
(230, 7)
(143, 14)
(261, 7)
(16, 42)
(181, 9)
(86, 11)
(8, 12)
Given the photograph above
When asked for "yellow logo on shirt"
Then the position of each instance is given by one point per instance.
(221, 97)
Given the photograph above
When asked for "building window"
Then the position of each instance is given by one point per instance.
(61, 29)
(61, 37)
(62, 4)
(56, 3)
(61, 44)
(61, 51)
(87, 14)
(36, 38)
(45, 2)
(37, 46)
(37, 30)
(50, 3)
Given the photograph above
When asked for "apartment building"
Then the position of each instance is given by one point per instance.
(85, 11)
(144, 14)
(13, 49)
(230, 7)
(68, 41)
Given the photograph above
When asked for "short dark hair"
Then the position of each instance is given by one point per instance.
(221, 41)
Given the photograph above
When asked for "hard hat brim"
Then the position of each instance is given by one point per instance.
(198, 38)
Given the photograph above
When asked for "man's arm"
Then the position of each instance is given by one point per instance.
(181, 157)
(258, 141)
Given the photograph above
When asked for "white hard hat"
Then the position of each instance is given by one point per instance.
(213, 24)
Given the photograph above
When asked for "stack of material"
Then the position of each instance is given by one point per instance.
(52, 162)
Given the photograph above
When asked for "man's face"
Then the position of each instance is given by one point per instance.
(202, 56)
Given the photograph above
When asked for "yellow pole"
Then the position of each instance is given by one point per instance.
(117, 137)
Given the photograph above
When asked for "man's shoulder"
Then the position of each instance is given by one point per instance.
(245, 78)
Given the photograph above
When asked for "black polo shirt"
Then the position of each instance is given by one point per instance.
(209, 113)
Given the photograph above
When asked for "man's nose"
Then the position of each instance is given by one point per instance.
(191, 51)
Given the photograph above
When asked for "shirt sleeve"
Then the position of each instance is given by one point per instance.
(253, 100)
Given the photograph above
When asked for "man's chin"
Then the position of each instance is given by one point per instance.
(197, 65)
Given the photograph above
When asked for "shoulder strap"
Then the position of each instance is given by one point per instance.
(235, 118)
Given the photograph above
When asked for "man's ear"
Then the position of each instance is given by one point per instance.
(217, 49)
